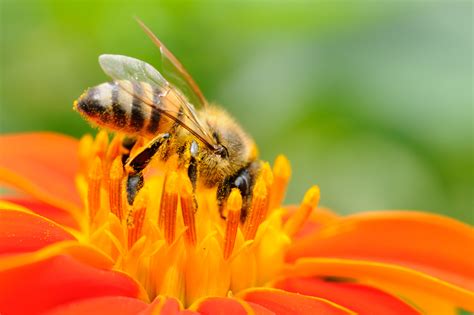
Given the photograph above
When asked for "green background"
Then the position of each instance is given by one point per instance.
(371, 101)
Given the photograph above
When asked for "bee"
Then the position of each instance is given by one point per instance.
(214, 149)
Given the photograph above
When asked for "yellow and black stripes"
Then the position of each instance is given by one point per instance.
(119, 113)
(155, 115)
(89, 104)
(137, 119)
(132, 107)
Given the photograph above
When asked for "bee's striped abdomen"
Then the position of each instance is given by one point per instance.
(129, 106)
(138, 108)
(155, 115)
(118, 112)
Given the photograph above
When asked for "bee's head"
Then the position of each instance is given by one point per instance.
(232, 149)
(230, 141)
(221, 151)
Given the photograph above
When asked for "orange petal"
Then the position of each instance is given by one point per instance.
(429, 243)
(357, 297)
(424, 300)
(43, 285)
(43, 165)
(81, 252)
(166, 306)
(228, 306)
(282, 302)
(45, 210)
(109, 305)
(24, 232)
(215, 305)
(400, 280)
(259, 309)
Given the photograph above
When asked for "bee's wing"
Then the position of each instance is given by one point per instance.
(175, 71)
(127, 68)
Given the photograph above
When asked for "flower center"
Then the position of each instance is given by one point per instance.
(172, 239)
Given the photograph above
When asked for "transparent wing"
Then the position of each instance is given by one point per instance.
(178, 107)
(175, 71)
(120, 67)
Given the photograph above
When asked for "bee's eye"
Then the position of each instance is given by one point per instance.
(242, 182)
(222, 151)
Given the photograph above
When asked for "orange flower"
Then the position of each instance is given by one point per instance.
(70, 244)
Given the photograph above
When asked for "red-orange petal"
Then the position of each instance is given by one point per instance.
(219, 305)
(396, 279)
(259, 309)
(169, 306)
(318, 218)
(43, 285)
(282, 302)
(53, 213)
(357, 297)
(166, 306)
(228, 306)
(24, 232)
(429, 243)
(43, 165)
(108, 305)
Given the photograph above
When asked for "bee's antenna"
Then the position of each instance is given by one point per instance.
(166, 53)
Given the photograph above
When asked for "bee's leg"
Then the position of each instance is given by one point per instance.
(223, 191)
(134, 184)
(192, 168)
(136, 164)
(127, 145)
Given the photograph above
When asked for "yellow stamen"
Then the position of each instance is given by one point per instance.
(281, 177)
(296, 221)
(234, 207)
(101, 143)
(267, 175)
(211, 258)
(85, 149)
(112, 152)
(173, 282)
(257, 209)
(188, 208)
(116, 188)
(93, 190)
(136, 217)
(168, 207)
(115, 148)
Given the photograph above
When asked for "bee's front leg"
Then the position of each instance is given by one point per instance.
(137, 163)
(192, 165)
(191, 160)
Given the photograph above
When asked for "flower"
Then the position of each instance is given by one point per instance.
(70, 244)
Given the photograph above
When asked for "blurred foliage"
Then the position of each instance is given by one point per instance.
(372, 101)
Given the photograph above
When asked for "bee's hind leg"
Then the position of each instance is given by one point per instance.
(137, 163)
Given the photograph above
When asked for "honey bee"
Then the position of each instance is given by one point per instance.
(140, 102)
